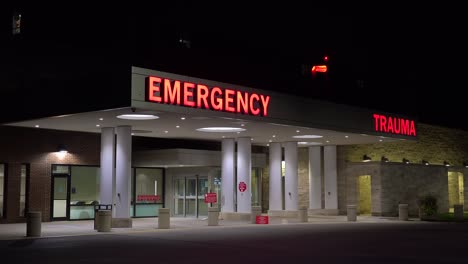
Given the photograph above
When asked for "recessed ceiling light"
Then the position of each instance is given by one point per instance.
(328, 141)
(309, 143)
(220, 129)
(137, 117)
(36, 126)
(242, 125)
(307, 136)
(380, 140)
(100, 119)
(177, 126)
(182, 118)
(166, 131)
(274, 136)
(270, 140)
(346, 136)
(297, 131)
(98, 125)
(133, 134)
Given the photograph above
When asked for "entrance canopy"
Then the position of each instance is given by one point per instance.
(165, 105)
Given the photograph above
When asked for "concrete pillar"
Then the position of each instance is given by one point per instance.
(351, 212)
(123, 171)
(227, 175)
(315, 177)
(164, 220)
(107, 181)
(290, 187)
(403, 212)
(34, 224)
(256, 211)
(329, 169)
(303, 215)
(458, 212)
(213, 216)
(244, 170)
(275, 196)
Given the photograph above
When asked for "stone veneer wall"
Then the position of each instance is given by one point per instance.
(392, 182)
(398, 182)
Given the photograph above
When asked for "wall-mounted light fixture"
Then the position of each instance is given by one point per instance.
(465, 164)
(425, 162)
(446, 164)
(366, 158)
(384, 159)
(62, 149)
(406, 161)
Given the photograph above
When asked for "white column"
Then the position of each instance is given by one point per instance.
(290, 186)
(227, 175)
(107, 181)
(315, 178)
(123, 171)
(244, 171)
(275, 196)
(330, 177)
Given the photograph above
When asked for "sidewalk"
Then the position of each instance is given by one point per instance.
(86, 227)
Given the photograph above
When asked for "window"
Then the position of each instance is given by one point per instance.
(24, 189)
(2, 189)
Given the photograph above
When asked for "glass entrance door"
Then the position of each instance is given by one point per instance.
(60, 197)
(189, 196)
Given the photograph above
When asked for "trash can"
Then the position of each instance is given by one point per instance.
(213, 215)
(403, 212)
(105, 221)
(351, 212)
(33, 224)
(256, 211)
(303, 216)
(164, 220)
(98, 207)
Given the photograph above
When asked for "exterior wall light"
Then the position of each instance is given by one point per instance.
(62, 149)
(425, 162)
(366, 158)
(446, 164)
(465, 164)
(384, 159)
(406, 161)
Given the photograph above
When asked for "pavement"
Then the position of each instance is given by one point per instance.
(86, 227)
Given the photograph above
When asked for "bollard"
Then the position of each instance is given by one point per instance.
(351, 211)
(164, 218)
(105, 221)
(33, 225)
(213, 215)
(403, 212)
(256, 210)
(303, 216)
(458, 212)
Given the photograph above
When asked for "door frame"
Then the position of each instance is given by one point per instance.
(66, 176)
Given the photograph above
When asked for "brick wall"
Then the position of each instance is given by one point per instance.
(38, 148)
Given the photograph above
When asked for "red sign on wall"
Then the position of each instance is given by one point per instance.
(261, 219)
(394, 125)
(198, 95)
(210, 198)
(148, 197)
(242, 186)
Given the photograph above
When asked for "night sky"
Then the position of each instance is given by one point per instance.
(410, 60)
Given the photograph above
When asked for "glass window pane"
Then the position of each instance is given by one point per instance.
(148, 191)
(2, 180)
(60, 169)
(84, 193)
(24, 172)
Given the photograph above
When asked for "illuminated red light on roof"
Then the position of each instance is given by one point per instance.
(319, 68)
(325, 58)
